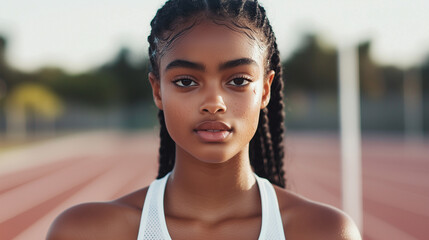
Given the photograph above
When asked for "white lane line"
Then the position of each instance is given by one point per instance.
(57, 149)
(103, 188)
(14, 179)
(21, 199)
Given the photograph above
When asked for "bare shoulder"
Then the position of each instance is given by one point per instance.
(118, 219)
(306, 219)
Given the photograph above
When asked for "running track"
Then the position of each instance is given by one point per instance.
(40, 181)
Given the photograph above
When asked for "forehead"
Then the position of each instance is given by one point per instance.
(212, 43)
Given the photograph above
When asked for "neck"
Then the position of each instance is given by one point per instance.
(195, 186)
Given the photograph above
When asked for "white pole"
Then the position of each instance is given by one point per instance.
(350, 134)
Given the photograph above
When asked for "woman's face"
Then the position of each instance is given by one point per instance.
(212, 86)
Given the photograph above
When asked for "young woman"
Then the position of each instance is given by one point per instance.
(216, 78)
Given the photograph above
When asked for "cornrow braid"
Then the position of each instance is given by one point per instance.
(266, 149)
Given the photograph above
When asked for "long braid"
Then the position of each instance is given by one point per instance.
(276, 106)
(276, 116)
(167, 149)
(271, 123)
(266, 147)
(257, 153)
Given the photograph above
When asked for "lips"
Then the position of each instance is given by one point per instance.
(213, 131)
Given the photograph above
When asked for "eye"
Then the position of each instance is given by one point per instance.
(239, 82)
(185, 82)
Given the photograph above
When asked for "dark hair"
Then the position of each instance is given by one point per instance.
(266, 147)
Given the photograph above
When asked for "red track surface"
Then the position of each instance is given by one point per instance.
(39, 182)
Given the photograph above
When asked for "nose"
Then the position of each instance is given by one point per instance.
(213, 104)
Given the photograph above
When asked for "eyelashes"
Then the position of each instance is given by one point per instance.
(186, 82)
(239, 82)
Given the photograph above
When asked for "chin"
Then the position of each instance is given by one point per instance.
(210, 153)
(214, 158)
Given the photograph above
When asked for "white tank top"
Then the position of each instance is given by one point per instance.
(154, 227)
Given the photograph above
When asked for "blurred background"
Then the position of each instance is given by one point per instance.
(74, 95)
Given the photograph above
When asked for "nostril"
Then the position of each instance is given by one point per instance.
(213, 110)
(213, 107)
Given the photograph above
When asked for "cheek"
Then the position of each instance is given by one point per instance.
(171, 103)
(174, 109)
(247, 109)
(176, 113)
(248, 104)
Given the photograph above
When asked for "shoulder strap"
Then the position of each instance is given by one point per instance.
(152, 222)
(272, 225)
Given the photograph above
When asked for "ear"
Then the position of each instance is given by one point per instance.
(156, 90)
(267, 89)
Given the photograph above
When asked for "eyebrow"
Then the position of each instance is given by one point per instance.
(180, 63)
(237, 62)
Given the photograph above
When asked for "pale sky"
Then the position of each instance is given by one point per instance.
(82, 34)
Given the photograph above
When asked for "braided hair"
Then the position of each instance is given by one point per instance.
(266, 150)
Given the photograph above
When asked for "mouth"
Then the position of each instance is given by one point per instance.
(213, 131)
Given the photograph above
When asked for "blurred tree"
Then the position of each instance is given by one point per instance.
(135, 95)
(3, 43)
(48, 75)
(8, 75)
(312, 67)
(94, 88)
(2, 89)
(370, 75)
(131, 78)
(393, 78)
(425, 86)
(425, 75)
(3, 68)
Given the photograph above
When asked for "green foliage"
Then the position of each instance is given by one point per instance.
(131, 79)
(372, 83)
(425, 76)
(92, 88)
(119, 82)
(312, 67)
